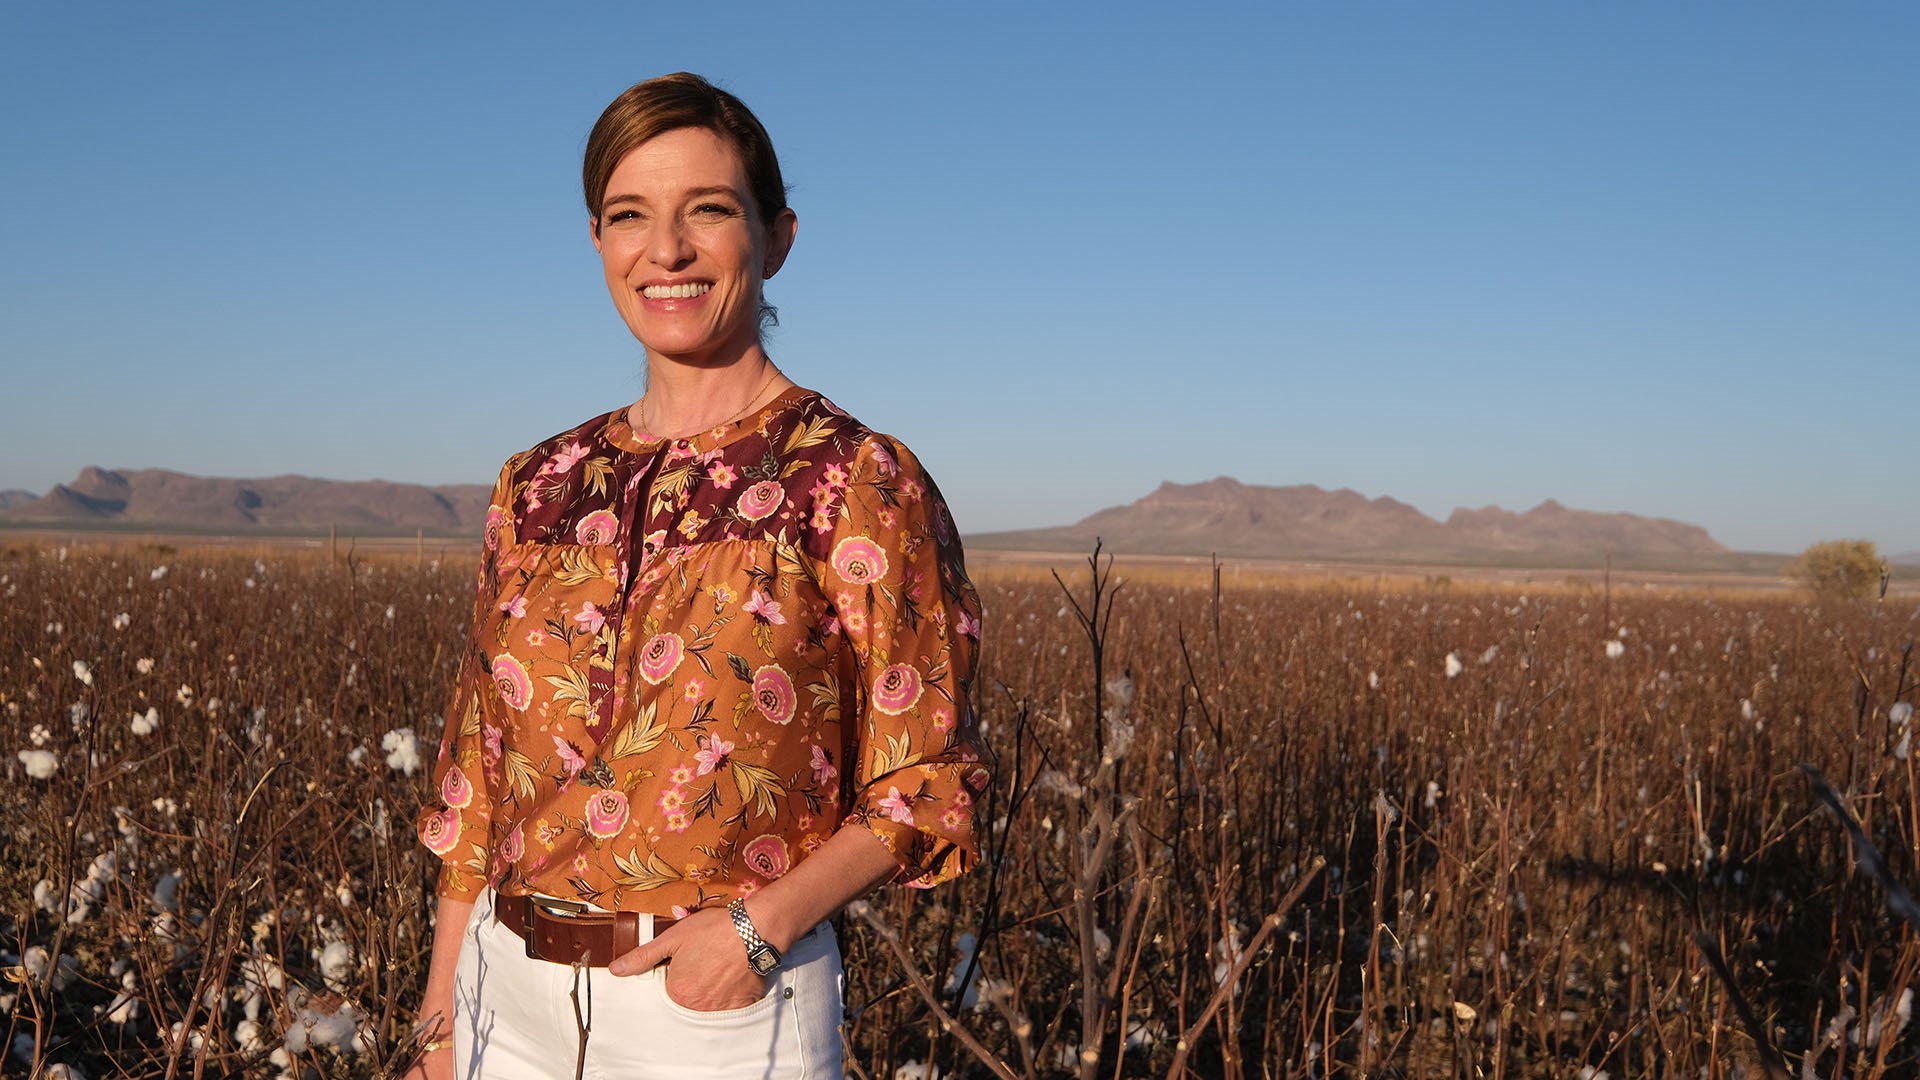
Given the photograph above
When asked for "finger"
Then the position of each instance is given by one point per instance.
(643, 957)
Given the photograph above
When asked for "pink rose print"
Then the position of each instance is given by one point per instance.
(659, 656)
(712, 753)
(897, 806)
(823, 770)
(599, 527)
(766, 856)
(773, 693)
(511, 680)
(439, 832)
(606, 813)
(859, 561)
(764, 609)
(514, 846)
(455, 791)
(896, 690)
(496, 517)
(760, 500)
(590, 618)
(722, 475)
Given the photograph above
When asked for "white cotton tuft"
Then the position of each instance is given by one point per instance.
(145, 723)
(403, 750)
(1454, 667)
(1615, 650)
(41, 764)
(336, 964)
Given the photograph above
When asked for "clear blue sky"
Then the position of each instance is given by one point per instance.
(1655, 257)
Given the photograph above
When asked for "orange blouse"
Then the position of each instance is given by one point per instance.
(694, 660)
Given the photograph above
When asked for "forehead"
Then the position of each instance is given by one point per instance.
(677, 160)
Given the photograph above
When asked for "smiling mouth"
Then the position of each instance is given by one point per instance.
(675, 292)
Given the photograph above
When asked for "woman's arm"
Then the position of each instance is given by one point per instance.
(436, 1007)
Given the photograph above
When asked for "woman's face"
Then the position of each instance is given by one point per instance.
(684, 250)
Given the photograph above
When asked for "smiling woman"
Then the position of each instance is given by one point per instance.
(719, 673)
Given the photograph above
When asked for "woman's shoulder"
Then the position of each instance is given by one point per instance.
(599, 434)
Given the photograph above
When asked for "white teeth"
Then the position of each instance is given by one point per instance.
(675, 292)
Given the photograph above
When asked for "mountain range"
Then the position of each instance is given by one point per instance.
(162, 499)
(1226, 517)
(1221, 516)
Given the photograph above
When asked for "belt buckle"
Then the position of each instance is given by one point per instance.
(551, 904)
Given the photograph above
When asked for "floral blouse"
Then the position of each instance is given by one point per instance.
(694, 660)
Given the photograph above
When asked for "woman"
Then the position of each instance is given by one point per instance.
(717, 686)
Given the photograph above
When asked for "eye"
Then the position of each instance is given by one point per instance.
(619, 217)
(714, 209)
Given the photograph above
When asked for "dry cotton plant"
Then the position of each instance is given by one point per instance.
(1333, 829)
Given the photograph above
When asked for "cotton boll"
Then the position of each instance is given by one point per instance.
(146, 723)
(1901, 713)
(336, 964)
(125, 1009)
(144, 665)
(83, 671)
(403, 750)
(325, 1020)
(1454, 667)
(41, 764)
(166, 892)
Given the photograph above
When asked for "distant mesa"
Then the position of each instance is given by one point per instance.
(162, 499)
(1226, 517)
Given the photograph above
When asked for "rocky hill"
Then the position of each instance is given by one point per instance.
(1226, 517)
(162, 499)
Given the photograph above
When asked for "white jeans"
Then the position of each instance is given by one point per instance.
(514, 1019)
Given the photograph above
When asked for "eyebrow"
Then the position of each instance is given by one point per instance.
(691, 193)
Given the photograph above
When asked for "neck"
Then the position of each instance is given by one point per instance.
(684, 399)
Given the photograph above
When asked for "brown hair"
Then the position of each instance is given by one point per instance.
(681, 100)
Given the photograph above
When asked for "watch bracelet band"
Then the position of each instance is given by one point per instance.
(743, 925)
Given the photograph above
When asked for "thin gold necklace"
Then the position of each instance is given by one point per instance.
(751, 402)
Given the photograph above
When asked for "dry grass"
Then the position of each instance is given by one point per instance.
(1295, 838)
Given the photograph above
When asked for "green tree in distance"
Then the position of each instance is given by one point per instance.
(1839, 569)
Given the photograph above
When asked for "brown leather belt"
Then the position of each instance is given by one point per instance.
(563, 931)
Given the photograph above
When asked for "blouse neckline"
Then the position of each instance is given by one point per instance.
(621, 433)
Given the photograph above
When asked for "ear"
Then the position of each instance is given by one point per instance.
(780, 234)
(593, 230)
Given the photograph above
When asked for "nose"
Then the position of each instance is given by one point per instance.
(667, 244)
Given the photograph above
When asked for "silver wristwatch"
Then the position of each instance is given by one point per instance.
(761, 957)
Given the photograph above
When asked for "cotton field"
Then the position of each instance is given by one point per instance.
(1292, 829)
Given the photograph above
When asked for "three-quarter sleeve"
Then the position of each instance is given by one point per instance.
(898, 584)
(454, 823)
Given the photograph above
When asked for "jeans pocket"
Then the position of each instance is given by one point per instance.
(744, 1015)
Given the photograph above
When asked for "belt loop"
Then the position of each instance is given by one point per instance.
(626, 932)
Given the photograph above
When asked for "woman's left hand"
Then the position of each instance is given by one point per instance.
(708, 971)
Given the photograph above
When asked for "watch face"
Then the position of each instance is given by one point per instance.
(764, 960)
